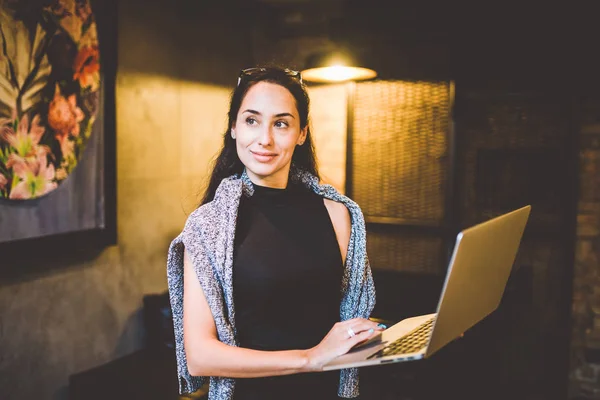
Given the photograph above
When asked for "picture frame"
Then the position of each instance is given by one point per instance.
(79, 216)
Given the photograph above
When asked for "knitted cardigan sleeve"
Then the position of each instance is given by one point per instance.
(193, 240)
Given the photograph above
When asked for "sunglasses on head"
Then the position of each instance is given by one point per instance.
(253, 71)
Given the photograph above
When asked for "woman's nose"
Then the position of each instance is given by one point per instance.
(266, 136)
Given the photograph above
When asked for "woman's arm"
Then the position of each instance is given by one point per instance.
(340, 219)
(207, 356)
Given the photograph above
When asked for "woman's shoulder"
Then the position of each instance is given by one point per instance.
(215, 217)
(344, 212)
(200, 231)
(210, 214)
(340, 201)
(203, 220)
(339, 213)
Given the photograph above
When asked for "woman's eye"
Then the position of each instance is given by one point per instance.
(251, 121)
(281, 124)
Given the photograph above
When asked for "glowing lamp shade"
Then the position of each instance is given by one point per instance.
(326, 68)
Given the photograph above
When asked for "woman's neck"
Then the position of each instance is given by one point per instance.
(275, 181)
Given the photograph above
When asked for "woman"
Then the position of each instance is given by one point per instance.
(288, 252)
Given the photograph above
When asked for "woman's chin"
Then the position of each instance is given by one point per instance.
(263, 171)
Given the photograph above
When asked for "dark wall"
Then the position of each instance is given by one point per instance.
(487, 43)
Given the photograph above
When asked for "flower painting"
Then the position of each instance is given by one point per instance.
(49, 92)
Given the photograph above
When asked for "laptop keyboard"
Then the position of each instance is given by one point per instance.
(409, 343)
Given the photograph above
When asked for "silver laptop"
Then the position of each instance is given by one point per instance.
(477, 274)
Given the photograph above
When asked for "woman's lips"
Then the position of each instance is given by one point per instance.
(263, 156)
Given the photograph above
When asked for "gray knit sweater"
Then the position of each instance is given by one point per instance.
(208, 236)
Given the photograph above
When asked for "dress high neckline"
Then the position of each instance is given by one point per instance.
(268, 189)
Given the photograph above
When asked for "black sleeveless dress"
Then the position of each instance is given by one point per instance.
(287, 273)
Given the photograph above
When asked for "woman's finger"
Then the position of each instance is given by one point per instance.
(360, 322)
(360, 327)
(353, 341)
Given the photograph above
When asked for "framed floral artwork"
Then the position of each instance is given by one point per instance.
(57, 130)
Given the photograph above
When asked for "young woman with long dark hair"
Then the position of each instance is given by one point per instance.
(269, 279)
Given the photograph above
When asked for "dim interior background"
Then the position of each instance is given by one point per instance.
(476, 110)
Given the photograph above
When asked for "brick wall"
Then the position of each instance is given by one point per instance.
(585, 338)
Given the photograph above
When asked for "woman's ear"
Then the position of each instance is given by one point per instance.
(302, 137)
(232, 130)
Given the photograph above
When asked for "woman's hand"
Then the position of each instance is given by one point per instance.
(340, 339)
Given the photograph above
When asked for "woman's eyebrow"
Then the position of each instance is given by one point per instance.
(251, 112)
(285, 114)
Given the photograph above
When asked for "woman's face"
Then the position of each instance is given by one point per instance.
(267, 130)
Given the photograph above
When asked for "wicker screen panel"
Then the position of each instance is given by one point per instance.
(404, 251)
(399, 145)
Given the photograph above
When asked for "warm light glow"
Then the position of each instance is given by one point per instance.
(337, 73)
